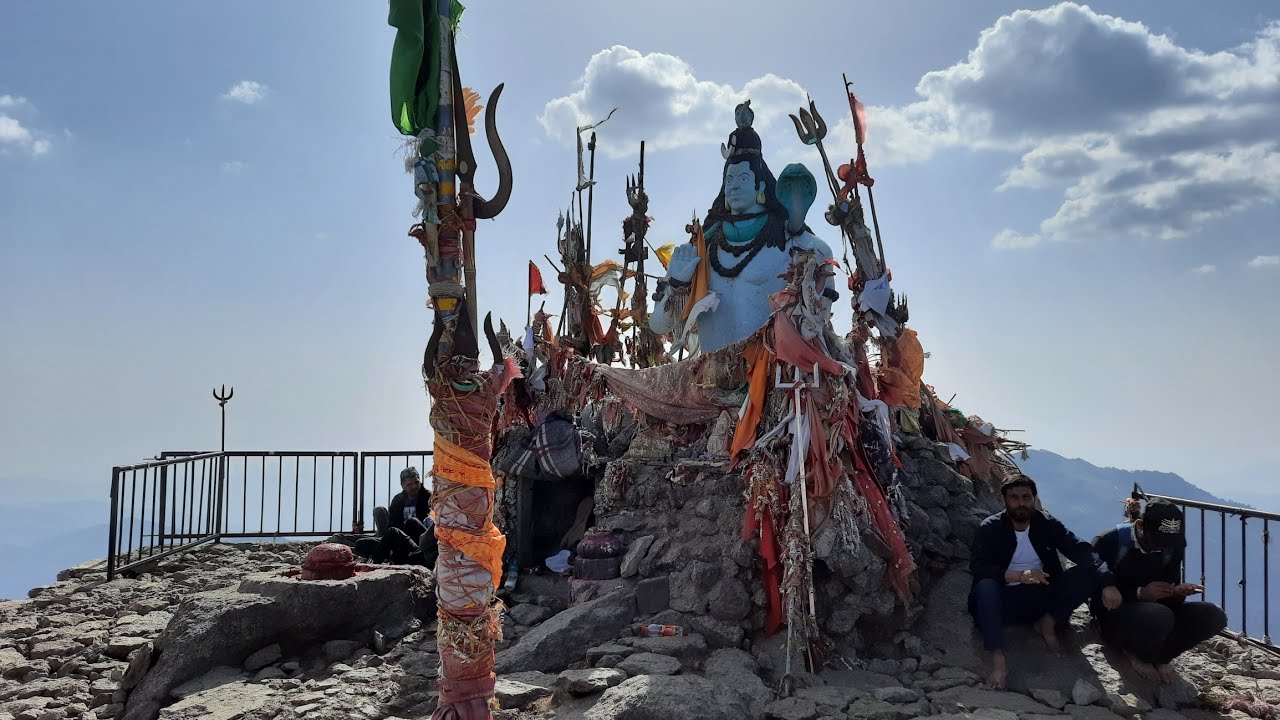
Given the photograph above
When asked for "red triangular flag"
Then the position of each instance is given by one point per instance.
(535, 281)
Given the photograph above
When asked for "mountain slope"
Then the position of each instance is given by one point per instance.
(1088, 498)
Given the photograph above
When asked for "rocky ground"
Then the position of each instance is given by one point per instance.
(80, 647)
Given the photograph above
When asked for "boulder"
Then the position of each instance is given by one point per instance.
(1090, 712)
(590, 681)
(1085, 693)
(737, 670)
(647, 663)
(520, 690)
(965, 698)
(869, 708)
(14, 663)
(139, 664)
(635, 554)
(792, 708)
(830, 699)
(263, 658)
(610, 648)
(655, 697)
(529, 614)
(653, 594)
(59, 648)
(688, 649)
(899, 695)
(222, 627)
(221, 675)
(945, 626)
(222, 702)
(336, 650)
(1052, 698)
(564, 638)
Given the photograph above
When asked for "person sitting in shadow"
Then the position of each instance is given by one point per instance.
(1144, 610)
(405, 534)
(1018, 577)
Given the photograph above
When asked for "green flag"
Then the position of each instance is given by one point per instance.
(415, 64)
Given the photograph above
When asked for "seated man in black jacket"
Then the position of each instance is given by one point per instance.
(1143, 610)
(405, 534)
(1017, 576)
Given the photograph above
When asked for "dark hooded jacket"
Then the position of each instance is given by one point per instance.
(995, 542)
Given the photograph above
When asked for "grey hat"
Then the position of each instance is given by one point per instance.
(409, 472)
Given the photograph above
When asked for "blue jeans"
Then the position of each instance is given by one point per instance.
(994, 604)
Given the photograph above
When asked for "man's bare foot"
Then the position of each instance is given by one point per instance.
(1167, 673)
(999, 674)
(1048, 630)
(1145, 670)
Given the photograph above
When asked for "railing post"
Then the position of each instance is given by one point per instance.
(218, 497)
(357, 497)
(1266, 581)
(114, 525)
(1244, 576)
(164, 503)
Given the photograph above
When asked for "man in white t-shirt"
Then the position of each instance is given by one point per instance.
(1017, 576)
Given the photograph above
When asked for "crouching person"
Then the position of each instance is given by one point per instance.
(1143, 610)
(405, 533)
(1017, 576)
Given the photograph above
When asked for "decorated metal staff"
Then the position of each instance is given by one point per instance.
(646, 350)
(873, 301)
(429, 103)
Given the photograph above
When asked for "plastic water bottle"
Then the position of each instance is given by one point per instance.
(513, 574)
(655, 630)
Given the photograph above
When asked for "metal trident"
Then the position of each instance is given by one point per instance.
(812, 129)
(223, 398)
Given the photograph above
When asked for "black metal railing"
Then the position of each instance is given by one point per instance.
(1228, 575)
(182, 499)
(380, 478)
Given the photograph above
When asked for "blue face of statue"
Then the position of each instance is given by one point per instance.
(741, 189)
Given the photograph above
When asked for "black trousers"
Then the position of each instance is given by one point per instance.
(995, 604)
(412, 545)
(1157, 632)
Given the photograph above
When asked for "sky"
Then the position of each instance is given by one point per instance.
(1080, 203)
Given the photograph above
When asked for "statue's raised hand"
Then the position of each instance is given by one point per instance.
(684, 261)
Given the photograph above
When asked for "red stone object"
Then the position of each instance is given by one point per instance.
(329, 561)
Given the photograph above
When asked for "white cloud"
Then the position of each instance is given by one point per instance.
(247, 92)
(660, 101)
(1205, 269)
(233, 167)
(11, 101)
(1011, 240)
(14, 134)
(1265, 261)
(1143, 137)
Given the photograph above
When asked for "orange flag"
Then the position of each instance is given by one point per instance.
(535, 281)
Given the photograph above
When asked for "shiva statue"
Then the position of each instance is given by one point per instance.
(751, 232)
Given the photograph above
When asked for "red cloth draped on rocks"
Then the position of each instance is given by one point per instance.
(765, 514)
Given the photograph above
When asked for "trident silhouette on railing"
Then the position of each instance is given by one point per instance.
(223, 397)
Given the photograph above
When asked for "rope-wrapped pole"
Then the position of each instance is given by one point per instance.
(426, 97)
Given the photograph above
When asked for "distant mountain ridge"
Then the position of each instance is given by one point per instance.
(1088, 498)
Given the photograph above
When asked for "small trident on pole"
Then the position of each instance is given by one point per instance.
(223, 397)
